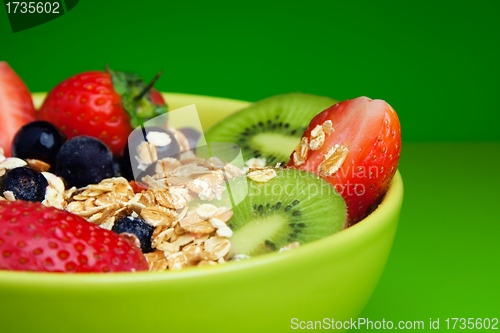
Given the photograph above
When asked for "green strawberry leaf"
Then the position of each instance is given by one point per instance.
(135, 99)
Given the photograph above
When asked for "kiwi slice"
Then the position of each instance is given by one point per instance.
(270, 128)
(295, 206)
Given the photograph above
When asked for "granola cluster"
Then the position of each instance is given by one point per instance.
(183, 203)
(189, 229)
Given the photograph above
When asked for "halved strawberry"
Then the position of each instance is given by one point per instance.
(354, 145)
(16, 106)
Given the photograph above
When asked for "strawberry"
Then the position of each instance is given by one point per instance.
(156, 97)
(355, 146)
(104, 105)
(41, 239)
(16, 106)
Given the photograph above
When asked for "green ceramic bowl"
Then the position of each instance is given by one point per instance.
(330, 278)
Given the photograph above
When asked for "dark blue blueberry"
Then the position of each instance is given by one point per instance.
(38, 140)
(127, 163)
(123, 168)
(137, 227)
(191, 135)
(25, 183)
(170, 150)
(84, 160)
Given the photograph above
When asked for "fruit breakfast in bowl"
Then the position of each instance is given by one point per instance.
(83, 192)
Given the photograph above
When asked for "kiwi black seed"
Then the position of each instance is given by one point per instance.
(295, 206)
(270, 128)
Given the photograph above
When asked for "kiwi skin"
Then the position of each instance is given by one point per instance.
(270, 128)
(295, 206)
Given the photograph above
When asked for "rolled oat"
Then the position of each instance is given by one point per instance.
(262, 175)
(301, 152)
(332, 160)
(317, 138)
(184, 235)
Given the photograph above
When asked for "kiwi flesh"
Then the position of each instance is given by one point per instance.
(295, 206)
(270, 128)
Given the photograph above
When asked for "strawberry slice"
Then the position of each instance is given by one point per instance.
(354, 145)
(16, 106)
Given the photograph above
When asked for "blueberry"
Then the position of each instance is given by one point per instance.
(138, 227)
(191, 135)
(123, 168)
(38, 140)
(165, 143)
(25, 183)
(155, 135)
(84, 160)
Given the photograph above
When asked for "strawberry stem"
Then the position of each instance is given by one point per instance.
(132, 90)
(148, 87)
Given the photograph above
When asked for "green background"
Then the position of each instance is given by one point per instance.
(436, 63)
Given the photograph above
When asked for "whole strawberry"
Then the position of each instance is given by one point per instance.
(42, 239)
(104, 105)
(355, 146)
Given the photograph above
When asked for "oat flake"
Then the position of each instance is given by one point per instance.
(317, 138)
(328, 127)
(333, 160)
(158, 139)
(262, 175)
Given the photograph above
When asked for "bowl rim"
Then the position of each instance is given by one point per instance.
(390, 205)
